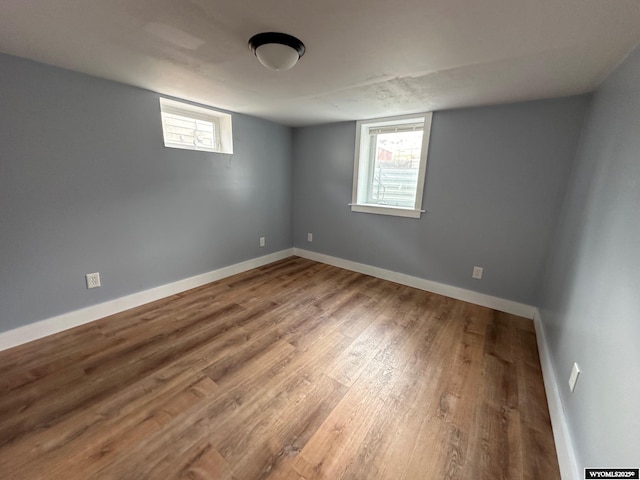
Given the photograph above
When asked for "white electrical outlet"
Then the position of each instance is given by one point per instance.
(477, 272)
(93, 280)
(309, 237)
(573, 378)
(262, 241)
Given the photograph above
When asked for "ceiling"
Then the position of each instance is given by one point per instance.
(364, 58)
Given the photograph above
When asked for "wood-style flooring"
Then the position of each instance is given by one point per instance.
(296, 370)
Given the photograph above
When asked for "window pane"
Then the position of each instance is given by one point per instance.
(189, 132)
(395, 167)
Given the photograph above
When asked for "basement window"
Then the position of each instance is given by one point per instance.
(390, 165)
(189, 127)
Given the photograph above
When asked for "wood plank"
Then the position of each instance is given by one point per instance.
(350, 364)
(332, 448)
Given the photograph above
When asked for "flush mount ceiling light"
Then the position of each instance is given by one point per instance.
(277, 51)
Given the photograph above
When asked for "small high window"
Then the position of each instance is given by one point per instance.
(390, 165)
(195, 128)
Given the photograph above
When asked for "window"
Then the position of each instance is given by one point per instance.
(390, 164)
(195, 128)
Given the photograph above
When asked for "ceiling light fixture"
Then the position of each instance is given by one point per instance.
(277, 51)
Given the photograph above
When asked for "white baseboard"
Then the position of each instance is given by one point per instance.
(49, 326)
(470, 296)
(561, 435)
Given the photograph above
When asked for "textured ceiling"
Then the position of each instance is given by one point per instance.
(364, 59)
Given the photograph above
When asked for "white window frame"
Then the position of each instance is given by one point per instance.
(359, 201)
(222, 125)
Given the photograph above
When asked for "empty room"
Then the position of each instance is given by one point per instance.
(334, 240)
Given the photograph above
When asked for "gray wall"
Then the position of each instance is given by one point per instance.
(591, 298)
(495, 183)
(87, 185)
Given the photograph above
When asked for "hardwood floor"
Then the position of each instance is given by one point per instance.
(296, 370)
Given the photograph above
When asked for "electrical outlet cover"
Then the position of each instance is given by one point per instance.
(477, 273)
(573, 378)
(93, 280)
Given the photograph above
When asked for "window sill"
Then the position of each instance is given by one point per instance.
(386, 210)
